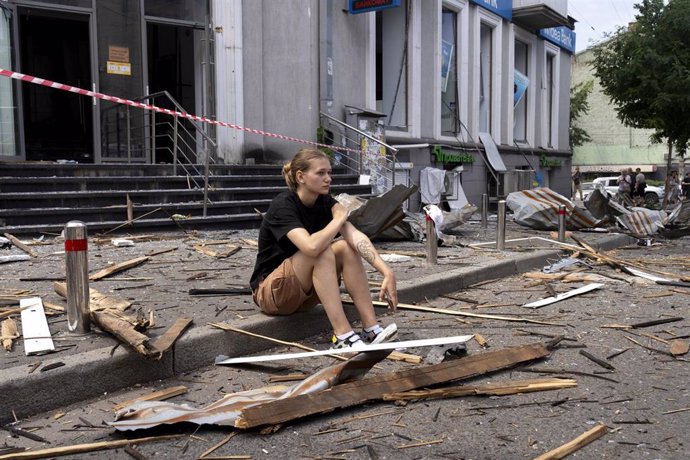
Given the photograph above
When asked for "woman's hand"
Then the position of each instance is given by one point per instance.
(389, 290)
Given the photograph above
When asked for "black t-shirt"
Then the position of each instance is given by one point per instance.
(286, 213)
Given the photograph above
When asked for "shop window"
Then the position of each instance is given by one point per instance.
(450, 120)
(188, 10)
(550, 94)
(392, 27)
(486, 72)
(521, 89)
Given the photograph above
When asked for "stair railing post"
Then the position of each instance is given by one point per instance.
(153, 137)
(129, 137)
(175, 123)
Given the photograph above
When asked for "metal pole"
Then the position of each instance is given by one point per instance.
(501, 226)
(129, 136)
(77, 275)
(485, 210)
(431, 242)
(175, 146)
(561, 223)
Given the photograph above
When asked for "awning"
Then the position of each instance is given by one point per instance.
(492, 154)
(615, 168)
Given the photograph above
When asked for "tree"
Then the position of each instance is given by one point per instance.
(579, 105)
(645, 71)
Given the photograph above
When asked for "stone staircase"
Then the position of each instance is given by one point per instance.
(43, 197)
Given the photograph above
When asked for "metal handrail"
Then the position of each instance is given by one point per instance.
(393, 157)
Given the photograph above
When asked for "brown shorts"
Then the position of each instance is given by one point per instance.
(280, 293)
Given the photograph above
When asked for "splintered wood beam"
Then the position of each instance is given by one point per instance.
(493, 389)
(117, 268)
(445, 311)
(97, 300)
(123, 330)
(8, 331)
(361, 391)
(576, 444)
(83, 448)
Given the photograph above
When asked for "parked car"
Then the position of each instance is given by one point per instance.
(652, 194)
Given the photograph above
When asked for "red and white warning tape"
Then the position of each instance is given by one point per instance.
(174, 113)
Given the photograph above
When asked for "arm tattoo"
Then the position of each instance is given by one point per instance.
(367, 251)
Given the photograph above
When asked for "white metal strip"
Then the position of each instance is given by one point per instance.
(565, 295)
(380, 346)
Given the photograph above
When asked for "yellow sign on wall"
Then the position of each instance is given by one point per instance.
(119, 68)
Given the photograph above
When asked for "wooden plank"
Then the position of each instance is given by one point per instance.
(117, 268)
(160, 395)
(35, 326)
(83, 448)
(20, 245)
(122, 330)
(361, 391)
(576, 444)
(563, 296)
(217, 254)
(168, 338)
(376, 347)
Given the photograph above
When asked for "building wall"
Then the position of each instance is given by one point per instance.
(613, 145)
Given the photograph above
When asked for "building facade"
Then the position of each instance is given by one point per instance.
(613, 146)
(482, 84)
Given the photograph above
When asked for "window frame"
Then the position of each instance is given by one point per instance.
(484, 17)
(531, 93)
(549, 138)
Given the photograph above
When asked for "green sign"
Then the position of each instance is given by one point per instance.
(443, 157)
(544, 162)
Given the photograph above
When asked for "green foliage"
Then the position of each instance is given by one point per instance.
(579, 106)
(645, 71)
(321, 139)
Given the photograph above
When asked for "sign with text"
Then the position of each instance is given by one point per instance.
(559, 36)
(119, 68)
(364, 6)
(503, 8)
(118, 53)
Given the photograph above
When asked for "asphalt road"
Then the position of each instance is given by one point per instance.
(643, 400)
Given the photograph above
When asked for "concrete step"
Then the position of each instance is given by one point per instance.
(111, 183)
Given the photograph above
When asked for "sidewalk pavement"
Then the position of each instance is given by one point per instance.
(96, 365)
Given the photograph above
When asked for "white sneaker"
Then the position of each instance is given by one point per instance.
(353, 341)
(380, 335)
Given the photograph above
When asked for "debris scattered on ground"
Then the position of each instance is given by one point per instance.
(117, 268)
(35, 329)
(538, 209)
(8, 333)
(576, 444)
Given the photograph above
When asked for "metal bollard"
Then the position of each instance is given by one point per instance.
(431, 242)
(77, 274)
(501, 226)
(561, 223)
(485, 210)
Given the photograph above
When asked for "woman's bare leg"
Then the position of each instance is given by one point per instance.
(321, 273)
(350, 264)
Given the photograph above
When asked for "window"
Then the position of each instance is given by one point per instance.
(486, 72)
(550, 99)
(520, 109)
(450, 124)
(392, 26)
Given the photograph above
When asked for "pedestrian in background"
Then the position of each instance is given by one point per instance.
(577, 184)
(640, 186)
(300, 263)
(624, 185)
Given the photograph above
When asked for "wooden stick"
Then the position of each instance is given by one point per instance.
(160, 395)
(496, 389)
(20, 245)
(8, 332)
(83, 448)
(404, 306)
(122, 266)
(599, 361)
(168, 338)
(576, 444)
(218, 445)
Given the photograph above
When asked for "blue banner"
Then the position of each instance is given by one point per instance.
(560, 36)
(364, 6)
(503, 8)
(520, 84)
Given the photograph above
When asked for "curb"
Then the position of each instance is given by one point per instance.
(97, 372)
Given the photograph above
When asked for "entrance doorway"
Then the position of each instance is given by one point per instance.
(172, 68)
(58, 125)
